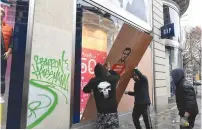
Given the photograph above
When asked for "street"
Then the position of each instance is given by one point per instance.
(167, 119)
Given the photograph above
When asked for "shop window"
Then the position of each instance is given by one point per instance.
(138, 8)
(14, 14)
(97, 32)
(166, 14)
(172, 16)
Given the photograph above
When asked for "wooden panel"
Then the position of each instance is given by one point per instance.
(128, 48)
(145, 66)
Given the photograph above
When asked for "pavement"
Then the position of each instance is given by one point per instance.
(168, 119)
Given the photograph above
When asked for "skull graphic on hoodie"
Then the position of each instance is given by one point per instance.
(104, 88)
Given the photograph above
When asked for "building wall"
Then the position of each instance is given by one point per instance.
(159, 59)
(173, 44)
(49, 93)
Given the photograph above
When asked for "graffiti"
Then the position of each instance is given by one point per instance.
(53, 71)
(40, 105)
(125, 55)
(36, 105)
(49, 82)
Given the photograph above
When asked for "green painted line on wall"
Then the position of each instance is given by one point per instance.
(50, 110)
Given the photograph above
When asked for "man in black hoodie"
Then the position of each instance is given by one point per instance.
(185, 98)
(103, 86)
(142, 100)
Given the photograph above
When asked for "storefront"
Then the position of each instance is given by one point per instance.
(14, 28)
(173, 44)
(64, 40)
(97, 31)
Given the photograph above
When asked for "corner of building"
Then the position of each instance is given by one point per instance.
(159, 58)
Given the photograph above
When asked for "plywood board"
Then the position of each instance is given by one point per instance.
(128, 49)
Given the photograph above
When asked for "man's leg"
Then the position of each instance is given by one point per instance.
(113, 121)
(3, 74)
(100, 121)
(191, 121)
(107, 121)
(136, 115)
(146, 117)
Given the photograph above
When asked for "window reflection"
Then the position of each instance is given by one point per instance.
(139, 8)
(99, 31)
(7, 27)
(14, 17)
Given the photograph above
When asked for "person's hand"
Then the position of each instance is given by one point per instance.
(6, 55)
(184, 122)
(126, 92)
(186, 114)
(108, 66)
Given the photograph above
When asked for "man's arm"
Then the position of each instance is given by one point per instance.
(130, 93)
(138, 73)
(10, 48)
(88, 87)
(11, 44)
(115, 75)
(190, 99)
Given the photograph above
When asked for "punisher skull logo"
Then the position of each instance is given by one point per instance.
(104, 87)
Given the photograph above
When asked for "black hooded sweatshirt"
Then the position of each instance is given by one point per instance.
(103, 86)
(141, 89)
(185, 94)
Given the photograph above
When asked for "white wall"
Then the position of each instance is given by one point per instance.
(159, 56)
(50, 75)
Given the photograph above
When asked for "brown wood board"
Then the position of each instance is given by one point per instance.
(128, 48)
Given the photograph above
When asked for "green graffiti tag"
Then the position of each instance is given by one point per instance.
(37, 105)
(53, 71)
(50, 77)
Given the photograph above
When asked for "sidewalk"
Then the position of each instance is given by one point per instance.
(167, 119)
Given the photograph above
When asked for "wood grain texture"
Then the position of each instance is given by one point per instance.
(137, 42)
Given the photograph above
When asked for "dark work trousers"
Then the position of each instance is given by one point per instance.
(144, 110)
(191, 120)
(3, 74)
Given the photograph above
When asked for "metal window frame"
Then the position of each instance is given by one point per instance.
(126, 17)
(73, 63)
(28, 50)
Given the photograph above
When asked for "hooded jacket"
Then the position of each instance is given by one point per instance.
(185, 94)
(103, 86)
(141, 89)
